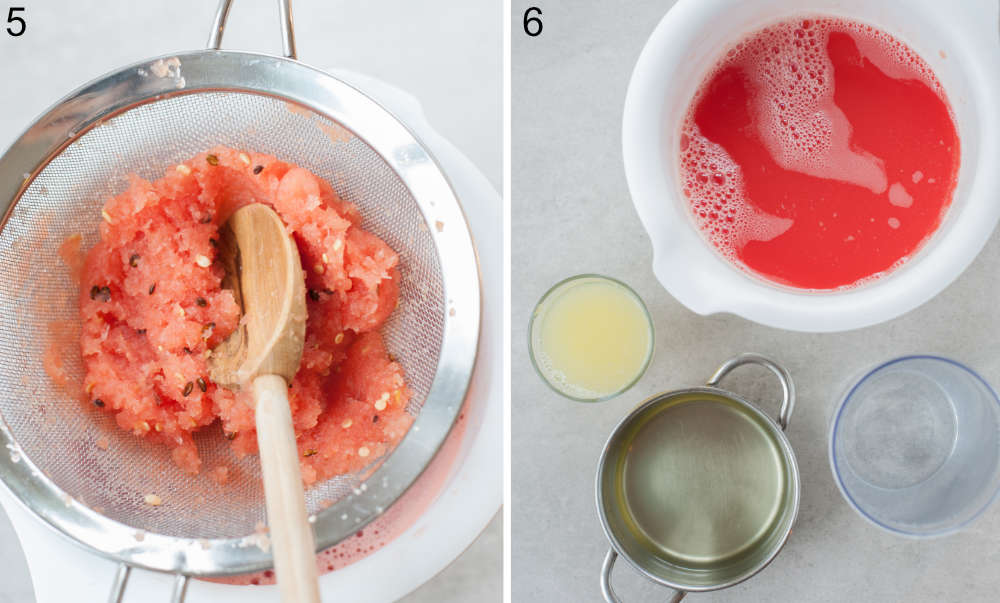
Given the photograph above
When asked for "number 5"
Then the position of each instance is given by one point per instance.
(529, 21)
(12, 19)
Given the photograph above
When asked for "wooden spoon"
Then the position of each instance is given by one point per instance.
(263, 353)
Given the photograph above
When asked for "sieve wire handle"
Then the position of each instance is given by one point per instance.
(118, 586)
(284, 13)
(609, 593)
(121, 581)
(180, 588)
(787, 386)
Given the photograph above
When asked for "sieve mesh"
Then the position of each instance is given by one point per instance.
(38, 310)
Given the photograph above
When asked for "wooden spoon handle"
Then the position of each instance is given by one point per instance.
(288, 523)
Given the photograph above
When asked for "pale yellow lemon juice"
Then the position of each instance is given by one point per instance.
(591, 337)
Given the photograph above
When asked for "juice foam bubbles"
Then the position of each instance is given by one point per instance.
(794, 116)
(713, 182)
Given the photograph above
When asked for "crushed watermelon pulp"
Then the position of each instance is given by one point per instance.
(152, 308)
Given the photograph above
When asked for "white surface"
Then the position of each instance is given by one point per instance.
(461, 94)
(959, 40)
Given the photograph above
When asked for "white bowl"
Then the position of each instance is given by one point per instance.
(960, 42)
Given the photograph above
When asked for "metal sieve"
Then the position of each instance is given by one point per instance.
(139, 119)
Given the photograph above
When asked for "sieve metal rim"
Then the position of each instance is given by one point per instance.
(244, 72)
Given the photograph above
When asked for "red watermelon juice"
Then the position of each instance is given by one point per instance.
(819, 153)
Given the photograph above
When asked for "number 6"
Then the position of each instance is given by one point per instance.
(529, 20)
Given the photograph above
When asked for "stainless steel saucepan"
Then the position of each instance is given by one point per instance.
(698, 489)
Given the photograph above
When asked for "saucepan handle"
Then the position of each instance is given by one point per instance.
(609, 593)
(787, 386)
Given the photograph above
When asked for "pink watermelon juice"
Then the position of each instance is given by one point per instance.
(819, 153)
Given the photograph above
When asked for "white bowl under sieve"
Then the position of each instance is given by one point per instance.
(140, 119)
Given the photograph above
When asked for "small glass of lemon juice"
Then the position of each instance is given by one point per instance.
(590, 337)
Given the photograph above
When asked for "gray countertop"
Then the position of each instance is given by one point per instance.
(446, 54)
(571, 213)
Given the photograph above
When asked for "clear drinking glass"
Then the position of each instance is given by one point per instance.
(535, 344)
(915, 446)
